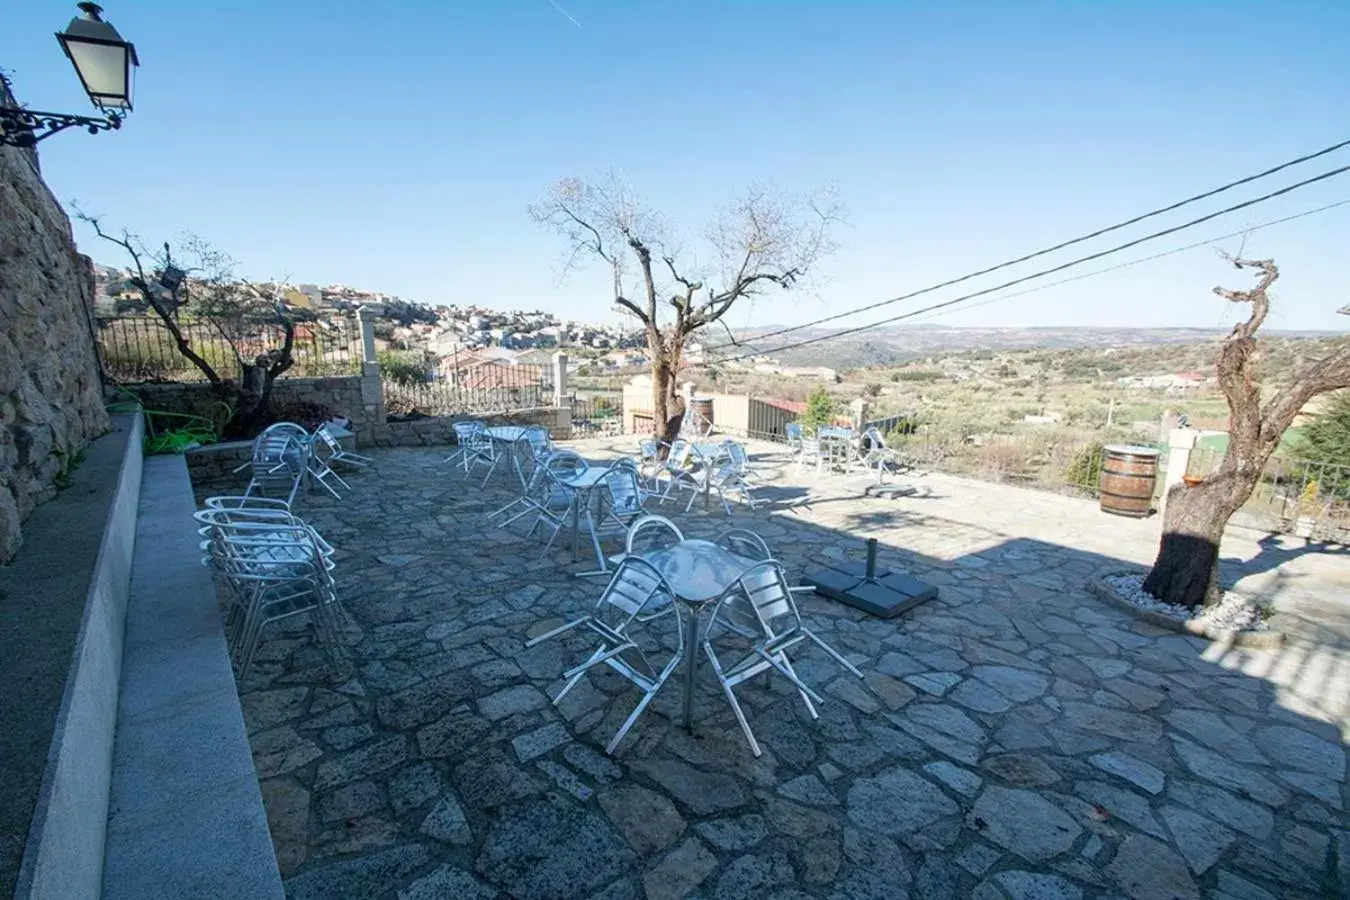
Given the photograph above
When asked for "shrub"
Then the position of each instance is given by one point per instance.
(403, 366)
(1325, 451)
(916, 375)
(1085, 469)
(820, 410)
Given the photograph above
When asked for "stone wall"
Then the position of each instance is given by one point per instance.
(51, 396)
(439, 430)
(344, 396)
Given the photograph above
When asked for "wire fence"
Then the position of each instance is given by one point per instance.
(597, 414)
(1294, 495)
(485, 388)
(136, 349)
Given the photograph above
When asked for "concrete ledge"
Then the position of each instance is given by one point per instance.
(186, 816)
(215, 461)
(63, 855)
(1228, 637)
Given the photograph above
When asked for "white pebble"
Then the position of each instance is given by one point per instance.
(1232, 612)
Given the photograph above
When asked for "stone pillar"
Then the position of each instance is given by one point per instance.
(688, 391)
(1180, 443)
(858, 410)
(367, 335)
(560, 379)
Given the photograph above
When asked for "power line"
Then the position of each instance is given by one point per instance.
(1060, 246)
(1175, 250)
(1042, 273)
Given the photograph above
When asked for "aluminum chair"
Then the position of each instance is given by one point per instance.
(276, 567)
(633, 599)
(810, 452)
(474, 445)
(760, 603)
(556, 498)
(336, 452)
(650, 464)
(792, 432)
(277, 462)
(875, 456)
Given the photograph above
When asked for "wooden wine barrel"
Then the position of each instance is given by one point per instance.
(704, 407)
(1128, 476)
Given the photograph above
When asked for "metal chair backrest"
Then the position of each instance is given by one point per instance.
(536, 436)
(872, 439)
(744, 543)
(466, 432)
(624, 488)
(562, 463)
(649, 449)
(652, 527)
(793, 432)
(287, 428)
(240, 502)
(765, 586)
(634, 585)
(810, 446)
(329, 440)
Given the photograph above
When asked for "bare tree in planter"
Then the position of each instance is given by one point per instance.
(765, 239)
(1186, 570)
(233, 308)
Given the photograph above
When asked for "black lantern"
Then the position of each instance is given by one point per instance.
(106, 65)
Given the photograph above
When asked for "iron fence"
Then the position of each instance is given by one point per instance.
(137, 349)
(597, 414)
(499, 389)
(1066, 463)
(1293, 495)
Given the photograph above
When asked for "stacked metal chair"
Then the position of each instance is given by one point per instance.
(275, 567)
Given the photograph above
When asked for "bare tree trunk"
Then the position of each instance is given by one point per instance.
(667, 402)
(1187, 568)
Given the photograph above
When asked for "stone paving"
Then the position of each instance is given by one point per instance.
(1015, 738)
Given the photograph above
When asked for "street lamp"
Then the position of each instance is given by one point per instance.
(106, 66)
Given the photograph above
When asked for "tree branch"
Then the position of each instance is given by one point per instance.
(151, 297)
(1329, 374)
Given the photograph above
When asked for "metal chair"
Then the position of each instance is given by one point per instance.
(474, 445)
(276, 567)
(792, 432)
(874, 455)
(809, 451)
(758, 607)
(631, 601)
(336, 452)
(555, 498)
(277, 461)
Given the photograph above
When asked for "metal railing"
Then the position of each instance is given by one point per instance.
(597, 414)
(1293, 495)
(498, 388)
(137, 349)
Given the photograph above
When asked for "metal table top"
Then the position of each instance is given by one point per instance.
(697, 571)
(507, 433)
(586, 479)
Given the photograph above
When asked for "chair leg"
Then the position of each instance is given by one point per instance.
(731, 698)
(830, 650)
(810, 707)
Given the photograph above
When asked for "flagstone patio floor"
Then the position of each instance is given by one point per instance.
(1015, 738)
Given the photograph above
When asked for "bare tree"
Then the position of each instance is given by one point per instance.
(765, 239)
(234, 308)
(1186, 569)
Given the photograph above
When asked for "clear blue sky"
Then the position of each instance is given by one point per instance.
(394, 145)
